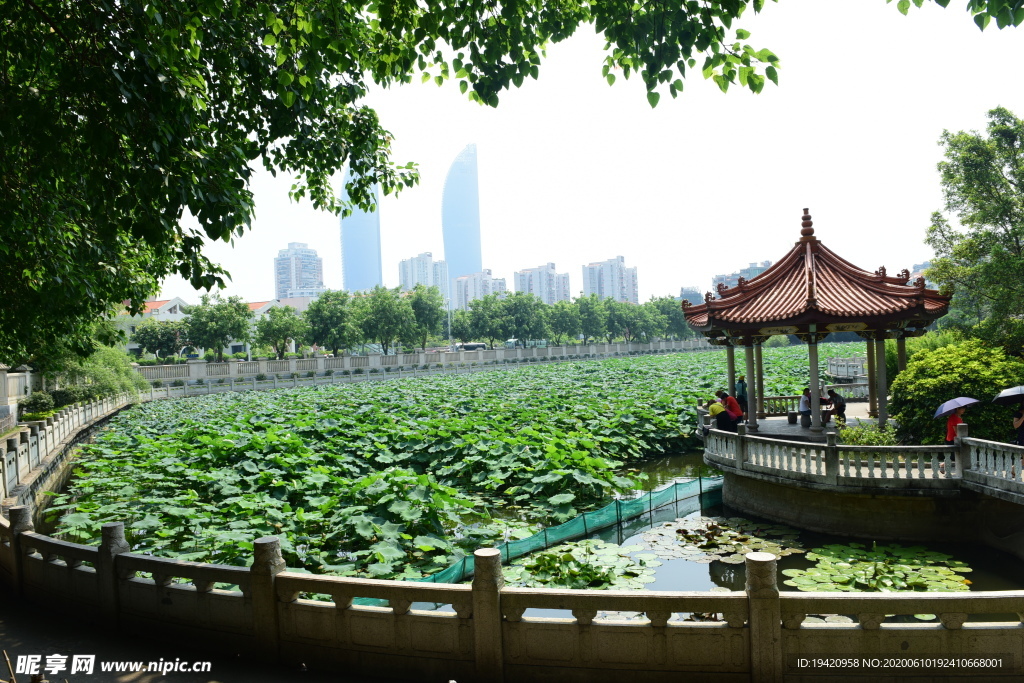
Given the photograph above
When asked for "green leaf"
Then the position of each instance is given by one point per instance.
(652, 99)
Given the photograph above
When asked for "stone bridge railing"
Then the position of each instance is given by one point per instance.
(485, 632)
(984, 466)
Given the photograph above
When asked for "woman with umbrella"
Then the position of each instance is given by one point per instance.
(954, 408)
(1009, 397)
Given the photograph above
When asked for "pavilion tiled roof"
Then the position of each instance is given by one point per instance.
(814, 284)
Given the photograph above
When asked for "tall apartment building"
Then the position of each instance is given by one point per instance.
(732, 279)
(460, 217)
(543, 282)
(360, 246)
(611, 279)
(424, 270)
(476, 286)
(297, 268)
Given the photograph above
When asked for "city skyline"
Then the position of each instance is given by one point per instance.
(572, 170)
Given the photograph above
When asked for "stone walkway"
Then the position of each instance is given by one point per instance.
(779, 427)
(27, 629)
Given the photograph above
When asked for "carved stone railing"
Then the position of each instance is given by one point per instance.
(985, 466)
(487, 631)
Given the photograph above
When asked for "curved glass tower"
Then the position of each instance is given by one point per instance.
(360, 246)
(460, 218)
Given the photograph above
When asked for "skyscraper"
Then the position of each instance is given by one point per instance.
(360, 246)
(297, 268)
(423, 270)
(611, 279)
(460, 217)
(544, 283)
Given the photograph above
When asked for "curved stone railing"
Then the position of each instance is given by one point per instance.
(487, 633)
(984, 466)
(31, 455)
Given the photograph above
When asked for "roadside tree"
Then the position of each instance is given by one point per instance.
(428, 312)
(216, 322)
(278, 327)
(330, 320)
(161, 337)
(385, 316)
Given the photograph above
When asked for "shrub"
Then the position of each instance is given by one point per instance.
(65, 397)
(346, 372)
(200, 381)
(261, 377)
(37, 402)
(239, 356)
(32, 417)
(867, 434)
(965, 369)
(221, 380)
(178, 383)
(293, 375)
(311, 373)
(374, 370)
(157, 383)
(358, 371)
(328, 373)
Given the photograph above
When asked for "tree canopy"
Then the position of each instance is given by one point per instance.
(121, 119)
(215, 322)
(278, 327)
(983, 258)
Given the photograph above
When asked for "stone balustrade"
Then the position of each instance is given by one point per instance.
(31, 454)
(847, 367)
(197, 369)
(487, 632)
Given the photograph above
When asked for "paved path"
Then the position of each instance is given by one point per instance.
(26, 629)
(780, 428)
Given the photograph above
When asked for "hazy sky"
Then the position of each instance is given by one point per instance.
(573, 170)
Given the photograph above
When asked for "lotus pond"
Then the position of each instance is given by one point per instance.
(703, 551)
(389, 479)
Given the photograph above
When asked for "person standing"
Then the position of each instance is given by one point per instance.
(1018, 424)
(955, 418)
(741, 393)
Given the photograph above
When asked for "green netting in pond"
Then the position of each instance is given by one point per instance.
(582, 526)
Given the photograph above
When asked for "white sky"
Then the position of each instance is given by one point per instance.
(572, 170)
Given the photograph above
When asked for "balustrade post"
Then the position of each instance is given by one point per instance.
(112, 544)
(20, 517)
(964, 456)
(487, 616)
(741, 446)
(266, 565)
(765, 621)
(831, 458)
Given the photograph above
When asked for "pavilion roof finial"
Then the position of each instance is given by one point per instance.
(806, 228)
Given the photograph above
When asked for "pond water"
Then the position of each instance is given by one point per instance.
(992, 570)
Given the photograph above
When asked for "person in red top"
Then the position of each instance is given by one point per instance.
(954, 420)
(731, 404)
(951, 423)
